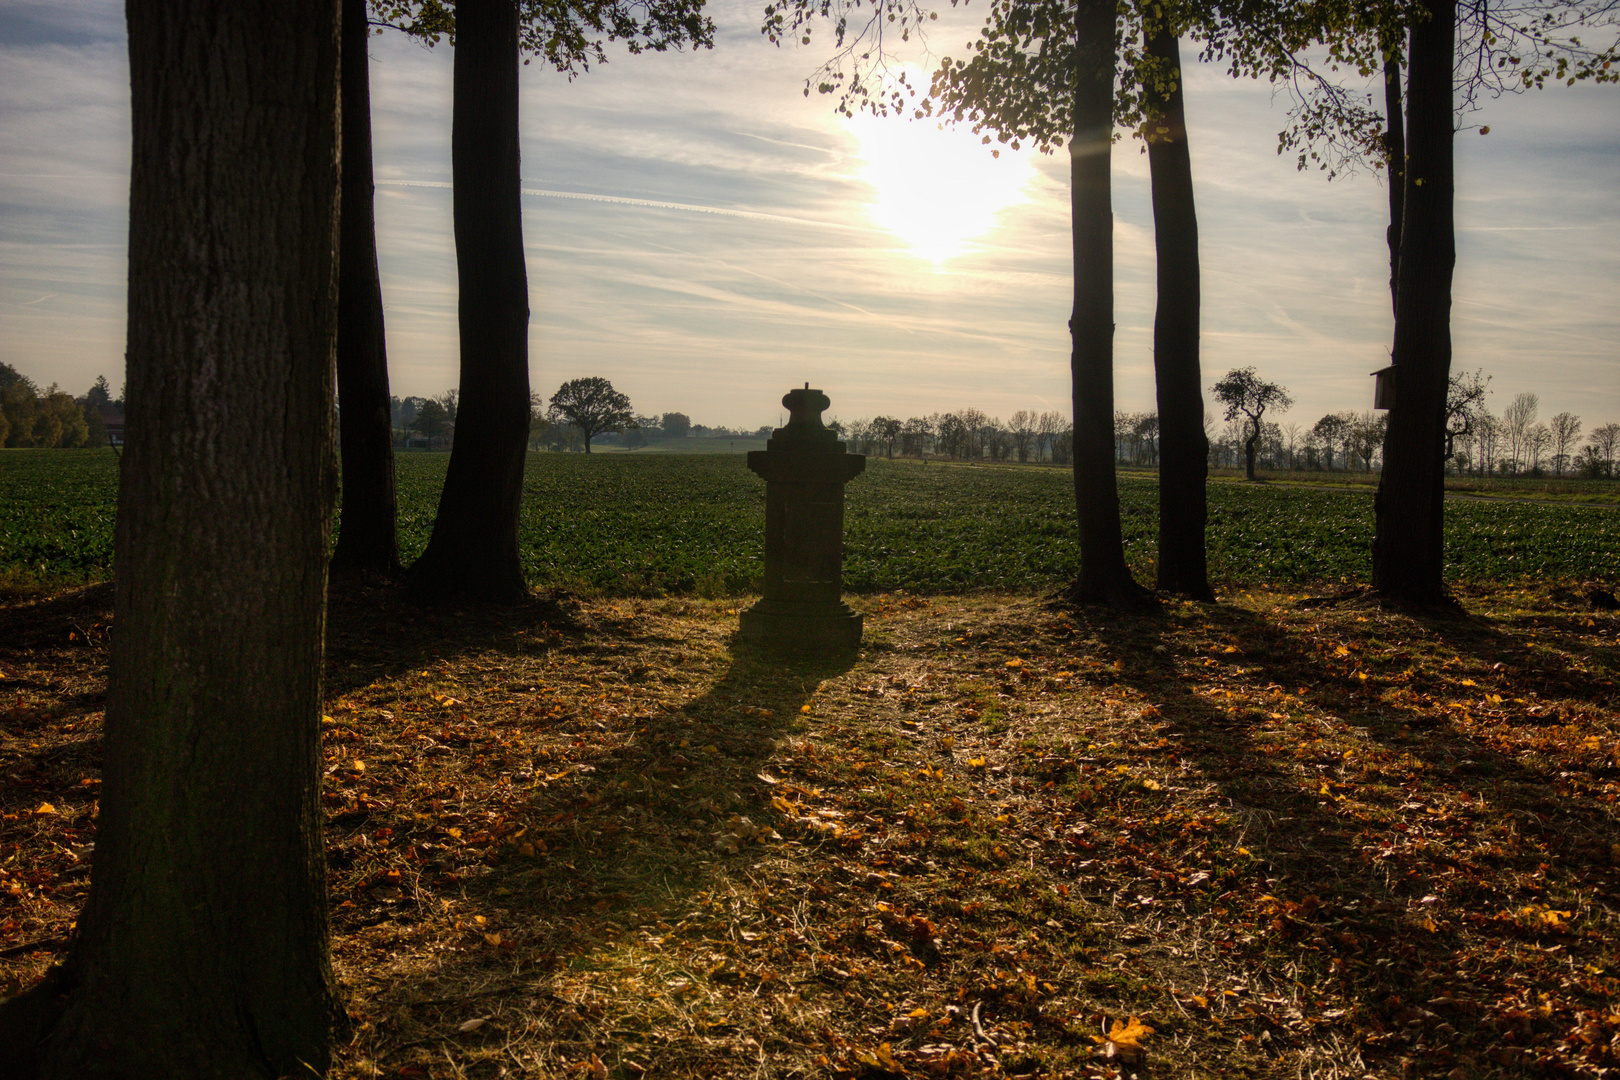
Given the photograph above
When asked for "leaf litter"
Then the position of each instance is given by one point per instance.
(1269, 838)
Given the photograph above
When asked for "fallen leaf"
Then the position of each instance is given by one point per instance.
(1123, 1041)
(471, 1025)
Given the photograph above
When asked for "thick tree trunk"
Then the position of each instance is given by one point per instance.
(1103, 577)
(1409, 536)
(366, 537)
(202, 948)
(1183, 446)
(1395, 147)
(474, 547)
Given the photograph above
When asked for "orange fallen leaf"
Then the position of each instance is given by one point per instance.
(1124, 1040)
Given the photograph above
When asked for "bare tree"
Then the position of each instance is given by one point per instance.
(1536, 441)
(1517, 420)
(1566, 429)
(1245, 393)
(1605, 440)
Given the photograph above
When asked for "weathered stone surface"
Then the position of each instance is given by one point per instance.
(805, 469)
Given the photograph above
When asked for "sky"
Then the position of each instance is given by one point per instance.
(706, 236)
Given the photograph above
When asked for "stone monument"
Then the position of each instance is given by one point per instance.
(805, 469)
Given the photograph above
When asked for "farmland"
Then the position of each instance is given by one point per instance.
(626, 525)
(596, 836)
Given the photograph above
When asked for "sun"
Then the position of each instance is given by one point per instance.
(936, 189)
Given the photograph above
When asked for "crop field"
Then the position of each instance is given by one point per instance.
(629, 525)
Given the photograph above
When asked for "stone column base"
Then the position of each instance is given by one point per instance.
(794, 625)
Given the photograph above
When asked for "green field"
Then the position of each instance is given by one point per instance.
(628, 524)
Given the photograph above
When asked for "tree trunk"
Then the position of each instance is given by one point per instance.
(474, 547)
(1103, 577)
(1395, 147)
(1409, 537)
(202, 947)
(1183, 446)
(366, 537)
(1248, 451)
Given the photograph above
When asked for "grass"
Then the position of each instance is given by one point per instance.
(654, 525)
(604, 839)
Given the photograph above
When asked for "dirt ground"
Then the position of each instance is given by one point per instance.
(1280, 836)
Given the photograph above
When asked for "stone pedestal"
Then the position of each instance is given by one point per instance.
(805, 469)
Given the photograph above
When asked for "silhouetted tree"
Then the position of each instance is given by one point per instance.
(473, 549)
(593, 406)
(367, 538)
(1245, 393)
(202, 947)
(1183, 448)
(675, 425)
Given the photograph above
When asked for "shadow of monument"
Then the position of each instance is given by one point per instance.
(619, 844)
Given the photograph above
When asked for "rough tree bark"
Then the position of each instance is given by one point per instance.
(1409, 537)
(1183, 446)
(202, 947)
(1395, 148)
(366, 527)
(1103, 577)
(474, 547)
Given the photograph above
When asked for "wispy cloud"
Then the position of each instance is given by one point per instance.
(699, 231)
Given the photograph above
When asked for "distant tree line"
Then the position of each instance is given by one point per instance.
(582, 412)
(1515, 443)
(964, 435)
(52, 418)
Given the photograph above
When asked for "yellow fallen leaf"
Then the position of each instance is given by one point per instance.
(805, 709)
(1124, 1040)
(1015, 663)
(44, 808)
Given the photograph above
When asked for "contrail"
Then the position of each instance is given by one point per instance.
(690, 208)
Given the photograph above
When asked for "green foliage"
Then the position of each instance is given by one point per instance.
(593, 406)
(568, 37)
(628, 525)
(56, 514)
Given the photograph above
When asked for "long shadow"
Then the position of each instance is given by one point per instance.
(622, 838)
(1348, 884)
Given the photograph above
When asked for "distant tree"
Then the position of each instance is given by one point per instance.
(1291, 435)
(1605, 440)
(1465, 405)
(1566, 428)
(1536, 441)
(676, 425)
(593, 406)
(916, 436)
(1245, 393)
(1330, 431)
(1367, 435)
(202, 946)
(1517, 420)
(886, 432)
(19, 401)
(99, 396)
(60, 421)
(430, 419)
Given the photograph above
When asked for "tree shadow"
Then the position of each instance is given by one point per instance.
(1349, 883)
(613, 844)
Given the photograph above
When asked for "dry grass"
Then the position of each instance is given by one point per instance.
(597, 840)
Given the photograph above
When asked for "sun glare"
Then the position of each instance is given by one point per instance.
(937, 190)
